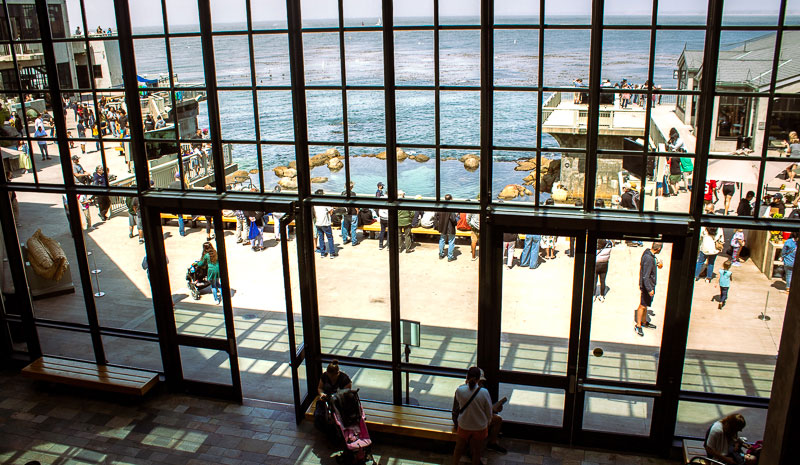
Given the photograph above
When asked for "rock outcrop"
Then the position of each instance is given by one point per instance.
(421, 158)
(287, 183)
(319, 180)
(512, 191)
(322, 158)
(335, 164)
(471, 161)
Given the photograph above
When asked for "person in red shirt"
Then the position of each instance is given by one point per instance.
(711, 195)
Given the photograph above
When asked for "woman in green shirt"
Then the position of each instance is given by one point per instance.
(212, 261)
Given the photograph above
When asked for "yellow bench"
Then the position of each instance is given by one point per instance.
(405, 421)
(90, 375)
(165, 217)
(376, 227)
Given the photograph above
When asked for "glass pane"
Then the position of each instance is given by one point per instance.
(205, 365)
(351, 323)
(632, 63)
(459, 57)
(568, 12)
(146, 17)
(133, 353)
(726, 185)
(413, 57)
(185, 62)
(515, 119)
(460, 11)
(418, 12)
(447, 337)
(366, 121)
(151, 61)
(513, 12)
(228, 16)
(460, 173)
(271, 56)
(416, 175)
(738, 126)
(526, 345)
(232, 58)
(679, 57)
(274, 159)
(324, 113)
(183, 17)
(236, 115)
(565, 185)
(619, 182)
(415, 117)
(51, 265)
(269, 14)
(620, 351)
(163, 158)
(63, 343)
(514, 175)
(460, 117)
(611, 413)
(745, 60)
(275, 113)
(779, 197)
(516, 56)
(321, 59)
(372, 384)
(740, 12)
(364, 55)
(673, 181)
(624, 13)
(533, 404)
(785, 119)
(566, 56)
(19, 161)
(694, 13)
(743, 283)
(319, 14)
(694, 419)
(431, 391)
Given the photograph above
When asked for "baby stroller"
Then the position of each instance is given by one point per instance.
(196, 278)
(345, 408)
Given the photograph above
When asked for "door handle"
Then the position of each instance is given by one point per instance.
(628, 391)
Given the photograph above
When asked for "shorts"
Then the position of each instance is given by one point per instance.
(728, 190)
(474, 236)
(674, 178)
(478, 435)
(646, 300)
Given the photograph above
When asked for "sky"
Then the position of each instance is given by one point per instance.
(148, 12)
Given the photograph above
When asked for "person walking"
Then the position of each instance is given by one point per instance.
(446, 225)
(241, 226)
(711, 244)
(472, 412)
(40, 133)
(383, 218)
(256, 231)
(602, 257)
(509, 242)
(100, 178)
(530, 251)
(788, 254)
(725, 277)
(548, 243)
(211, 260)
(737, 242)
(322, 214)
(648, 266)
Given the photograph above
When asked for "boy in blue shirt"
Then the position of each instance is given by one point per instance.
(725, 277)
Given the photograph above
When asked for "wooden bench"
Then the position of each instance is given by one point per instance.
(166, 217)
(90, 375)
(693, 448)
(376, 227)
(405, 421)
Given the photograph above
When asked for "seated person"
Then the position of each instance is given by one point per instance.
(331, 381)
(723, 442)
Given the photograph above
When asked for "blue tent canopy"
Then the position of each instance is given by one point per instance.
(145, 80)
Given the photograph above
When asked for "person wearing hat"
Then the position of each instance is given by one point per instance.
(776, 205)
(80, 174)
(472, 414)
(379, 192)
(629, 197)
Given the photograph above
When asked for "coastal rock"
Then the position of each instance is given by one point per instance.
(289, 173)
(472, 163)
(551, 175)
(279, 171)
(322, 158)
(319, 180)
(525, 165)
(529, 180)
(401, 154)
(287, 183)
(421, 158)
(254, 171)
(513, 191)
(381, 156)
(293, 165)
(335, 164)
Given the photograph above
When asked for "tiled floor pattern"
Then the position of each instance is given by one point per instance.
(58, 426)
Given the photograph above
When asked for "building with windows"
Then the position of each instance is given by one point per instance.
(600, 317)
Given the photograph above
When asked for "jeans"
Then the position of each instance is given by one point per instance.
(181, 225)
(723, 294)
(451, 245)
(43, 150)
(349, 228)
(323, 232)
(383, 233)
(702, 258)
(405, 238)
(215, 289)
(600, 272)
(530, 251)
(787, 274)
(241, 226)
(258, 241)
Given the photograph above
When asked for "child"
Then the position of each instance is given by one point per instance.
(737, 242)
(725, 277)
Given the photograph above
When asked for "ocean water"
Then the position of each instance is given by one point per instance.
(566, 57)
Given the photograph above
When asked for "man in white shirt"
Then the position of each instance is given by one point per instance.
(322, 215)
(472, 410)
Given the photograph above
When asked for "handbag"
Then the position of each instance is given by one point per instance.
(458, 411)
(719, 245)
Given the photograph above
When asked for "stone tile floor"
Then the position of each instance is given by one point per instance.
(58, 425)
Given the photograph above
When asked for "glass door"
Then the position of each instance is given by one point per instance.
(622, 370)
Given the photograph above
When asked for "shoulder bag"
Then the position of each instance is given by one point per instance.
(458, 411)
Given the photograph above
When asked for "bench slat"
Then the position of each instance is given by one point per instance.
(84, 374)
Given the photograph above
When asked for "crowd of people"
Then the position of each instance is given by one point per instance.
(625, 93)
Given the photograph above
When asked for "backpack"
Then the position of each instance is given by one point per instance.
(462, 224)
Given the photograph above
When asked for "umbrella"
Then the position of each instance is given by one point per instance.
(743, 171)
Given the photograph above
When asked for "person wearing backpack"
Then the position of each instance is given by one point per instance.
(472, 413)
(474, 222)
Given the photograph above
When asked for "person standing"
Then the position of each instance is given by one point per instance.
(241, 225)
(725, 277)
(602, 257)
(629, 198)
(404, 218)
(548, 243)
(788, 254)
(379, 193)
(24, 157)
(255, 235)
(85, 203)
(474, 221)
(322, 214)
(711, 244)
(530, 251)
(446, 225)
(648, 266)
(472, 412)
(728, 189)
(40, 134)
(687, 168)
(509, 242)
(349, 224)
(100, 178)
(745, 207)
(383, 219)
(737, 242)
(711, 194)
(211, 260)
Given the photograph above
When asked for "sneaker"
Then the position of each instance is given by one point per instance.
(324, 255)
(601, 298)
(719, 306)
(334, 255)
(130, 235)
(737, 264)
(474, 258)
(239, 241)
(451, 259)
(649, 325)
(410, 251)
(638, 330)
(246, 243)
(441, 256)
(497, 448)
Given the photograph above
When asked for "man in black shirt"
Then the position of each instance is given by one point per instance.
(745, 205)
(647, 285)
(630, 197)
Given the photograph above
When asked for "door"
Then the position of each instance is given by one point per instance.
(571, 362)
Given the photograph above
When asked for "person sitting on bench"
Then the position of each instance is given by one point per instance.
(723, 442)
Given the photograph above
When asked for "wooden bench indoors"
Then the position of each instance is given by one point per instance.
(692, 448)
(404, 421)
(90, 375)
